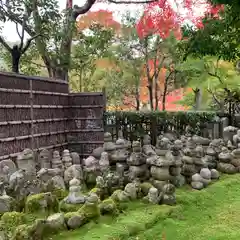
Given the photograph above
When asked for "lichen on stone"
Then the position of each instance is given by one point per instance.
(21, 232)
(42, 202)
(66, 207)
(60, 193)
(90, 211)
(108, 206)
(145, 186)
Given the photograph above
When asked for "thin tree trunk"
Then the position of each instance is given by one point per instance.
(137, 100)
(198, 99)
(165, 91)
(150, 90)
(156, 94)
(15, 62)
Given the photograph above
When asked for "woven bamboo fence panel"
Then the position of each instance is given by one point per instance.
(40, 113)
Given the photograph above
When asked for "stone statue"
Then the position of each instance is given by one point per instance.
(66, 159)
(236, 138)
(44, 159)
(56, 160)
(75, 195)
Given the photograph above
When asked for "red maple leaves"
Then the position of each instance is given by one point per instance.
(165, 16)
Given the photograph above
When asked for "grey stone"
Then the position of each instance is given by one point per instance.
(56, 221)
(75, 158)
(197, 185)
(6, 204)
(76, 221)
(215, 174)
(205, 173)
(197, 177)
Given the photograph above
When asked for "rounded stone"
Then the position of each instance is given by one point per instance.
(197, 185)
(197, 177)
(215, 174)
(205, 173)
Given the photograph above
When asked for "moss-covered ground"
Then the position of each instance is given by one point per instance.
(210, 214)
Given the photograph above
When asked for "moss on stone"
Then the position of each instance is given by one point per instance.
(60, 193)
(42, 202)
(90, 211)
(68, 215)
(12, 219)
(66, 207)
(21, 233)
(108, 206)
(115, 195)
(145, 186)
(100, 192)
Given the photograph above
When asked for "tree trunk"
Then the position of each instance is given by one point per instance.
(198, 99)
(15, 61)
(164, 95)
(137, 100)
(150, 90)
(156, 94)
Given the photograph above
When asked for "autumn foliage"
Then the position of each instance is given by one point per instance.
(101, 17)
(163, 16)
(159, 18)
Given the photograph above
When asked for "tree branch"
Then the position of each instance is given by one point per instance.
(28, 43)
(81, 10)
(4, 43)
(17, 30)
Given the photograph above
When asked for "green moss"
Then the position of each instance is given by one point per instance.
(90, 211)
(108, 206)
(115, 195)
(65, 207)
(42, 202)
(60, 193)
(40, 230)
(100, 192)
(145, 186)
(13, 219)
(68, 215)
(22, 233)
(95, 190)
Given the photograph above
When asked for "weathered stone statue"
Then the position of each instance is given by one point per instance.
(75, 158)
(148, 149)
(74, 171)
(224, 165)
(236, 158)
(7, 167)
(121, 154)
(229, 132)
(210, 159)
(137, 163)
(66, 159)
(26, 162)
(153, 196)
(236, 138)
(56, 160)
(174, 156)
(169, 197)
(44, 159)
(108, 145)
(162, 146)
(104, 163)
(198, 161)
(91, 170)
(188, 168)
(75, 195)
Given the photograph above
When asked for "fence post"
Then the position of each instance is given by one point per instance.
(31, 113)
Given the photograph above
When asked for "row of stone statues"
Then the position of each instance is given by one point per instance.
(114, 165)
